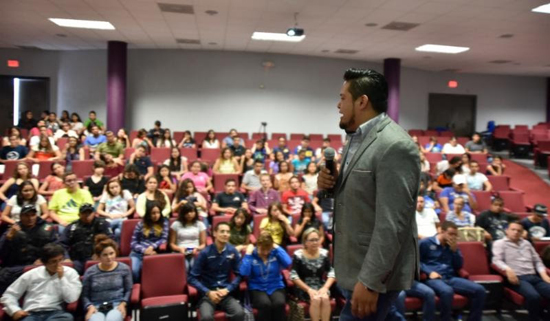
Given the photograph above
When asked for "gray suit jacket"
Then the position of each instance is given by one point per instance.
(375, 201)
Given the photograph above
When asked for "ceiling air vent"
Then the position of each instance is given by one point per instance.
(346, 51)
(188, 41)
(400, 26)
(176, 8)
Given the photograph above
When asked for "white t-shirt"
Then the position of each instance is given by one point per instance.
(475, 182)
(35, 140)
(426, 221)
(188, 236)
(16, 209)
(70, 133)
(449, 149)
(117, 204)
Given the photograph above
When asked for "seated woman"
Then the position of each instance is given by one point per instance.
(106, 286)
(309, 220)
(148, 237)
(25, 195)
(131, 181)
(14, 131)
(176, 163)
(240, 229)
(188, 234)
(460, 217)
(187, 141)
(167, 183)
(309, 183)
(73, 151)
(278, 157)
(282, 179)
(276, 223)
(211, 141)
(54, 181)
(21, 173)
(263, 266)
(116, 205)
(122, 137)
(497, 167)
(247, 161)
(44, 150)
(166, 140)
(202, 181)
(226, 163)
(142, 140)
(313, 275)
(96, 183)
(260, 150)
(188, 194)
(152, 195)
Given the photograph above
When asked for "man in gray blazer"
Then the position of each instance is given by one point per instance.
(376, 250)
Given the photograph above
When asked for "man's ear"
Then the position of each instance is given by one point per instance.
(363, 102)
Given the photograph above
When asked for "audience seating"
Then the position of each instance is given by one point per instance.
(44, 168)
(210, 155)
(416, 132)
(275, 136)
(520, 144)
(126, 232)
(189, 153)
(257, 220)
(199, 137)
(483, 199)
(334, 138)
(433, 157)
(9, 168)
(514, 201)
(541, 245)
(82, 167)
(296, 136)
(178, 136)
(431, 132)
(501, 183)
(541, 153)
(157, 290)
(128, 151)
(160, 154)
(317, 137)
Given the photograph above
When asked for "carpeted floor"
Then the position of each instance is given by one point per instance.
(536, 189)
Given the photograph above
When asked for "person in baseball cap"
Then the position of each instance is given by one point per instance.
(459, 189)
(536, 224)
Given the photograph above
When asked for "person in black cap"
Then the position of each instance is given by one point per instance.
(22, 244)
(536, 225)
(78, 237)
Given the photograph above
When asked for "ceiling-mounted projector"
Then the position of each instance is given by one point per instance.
(295, 32)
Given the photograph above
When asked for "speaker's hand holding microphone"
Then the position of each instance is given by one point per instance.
(328, 174)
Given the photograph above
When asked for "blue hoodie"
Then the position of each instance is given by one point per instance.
(265, 277)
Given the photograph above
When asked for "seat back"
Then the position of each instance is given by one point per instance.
(513, 201)
(483, 199)
(290, 249)
(160, 154)
(125, 260)
(317, 137)
(417, 132)
(335, 138)
(446, 133)
(431, 132)
(433, 157)
(296, 136)
(189, 153)
(257, 220)
(128, 227)
(500, 183)
(479, 157)
(128, 151)
(475, 258)
(83, 167)
(210, 155)
(178, 136)
(544, 145)
(199, 137)
(218, 219)
(541, 245)
(219, 181)
(276, 137)
(256, 136)
(10, 167)
(153, 284)
(61, 142)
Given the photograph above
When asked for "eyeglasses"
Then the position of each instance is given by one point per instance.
(313, 240)
(72, 180)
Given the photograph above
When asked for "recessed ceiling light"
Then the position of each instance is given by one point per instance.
(545, 8)
(441, 49)
(270, 36)
(85, 24)
(371, 24)
(211, 12)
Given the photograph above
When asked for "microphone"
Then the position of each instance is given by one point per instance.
(329, 154)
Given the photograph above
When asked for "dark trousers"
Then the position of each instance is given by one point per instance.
(385, 302)
(533, 289)
(229, 305)
(270, 307)
(446, 289)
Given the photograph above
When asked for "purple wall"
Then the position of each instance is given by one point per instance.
(116, 85)
(392, 71)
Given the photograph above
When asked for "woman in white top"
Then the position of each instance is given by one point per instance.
(176, 163)
(45, 150)
(309, 183)
(453, 147)
(211, 141)
(187, 234)
(26, 194)
(116, 205)
(76, 123)
(166, 140)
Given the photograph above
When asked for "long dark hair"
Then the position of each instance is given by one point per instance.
(148, 223)
(159, 196)
(181, 193)
(175, 164)
(305, 207)
(247, 217)
(184, 210)
(21, 199)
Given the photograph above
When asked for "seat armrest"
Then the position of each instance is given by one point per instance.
(463, 274)
(72, 307)
(135, 296)
(192, 292)
(252, 239)
(163, 247)
(288, 281)
(243, 287)
(501, 272)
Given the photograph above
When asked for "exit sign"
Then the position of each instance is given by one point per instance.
(13, 63)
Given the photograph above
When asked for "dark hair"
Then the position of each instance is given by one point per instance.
(77, 116)
(447, 225)
(449, 172)
(67, 174)
(161, 167)
(131, 168)
(182, 188)
(455, 160)
(258, 161)
(370, 83)
(147, 220)
(308, 206)
(229, 180)
(159, 196)
(497, 157)
(220, 224)
(497, 199)
(294, 177)
(175, 163)
(20, 199)
(99, 164)
(515, 222)
(102, 242)
(247, 217)
(108, 185)
(49, 251)
(157, 123)
(92, 112)
(141, 133)
(210, 140)
(326, 139)
(306, 137)
(53, 165)
(223, 152)
(278, 205)
(467, 155)
(16, 171)
(184, 210)
(474, 162)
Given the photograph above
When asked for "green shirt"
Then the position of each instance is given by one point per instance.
(115, 149)
(98, 122)
(66, 205)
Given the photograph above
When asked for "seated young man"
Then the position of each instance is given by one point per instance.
(524, 269)
(309, 153)
(295, 198)
(259, 200)
(211, 275)
(229, 200)
(476, 180)
(94, 139)
(142, 161)
(440, 260)
(14, 151)
(300, 163)
(459, 189)
(237, 148)
(476, 145)
(251, 179)
(45, 289)
(282, 147)
(23, 243)
(536, 225)
(494, 220)
(111, 147)
(92, 120)
(65, 131)
(78, 237)
(65, 203)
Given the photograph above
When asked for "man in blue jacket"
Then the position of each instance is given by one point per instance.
(211, 276)
(440, 259)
